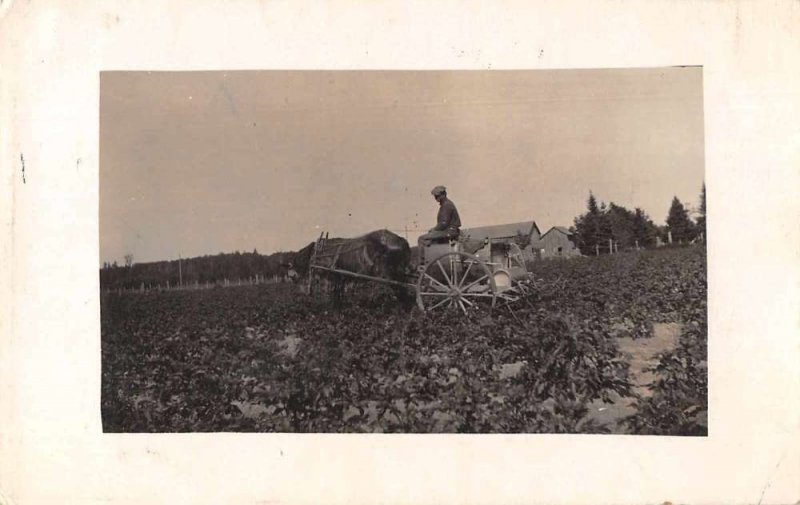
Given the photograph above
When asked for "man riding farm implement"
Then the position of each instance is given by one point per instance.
(448, 223)
(449, 274)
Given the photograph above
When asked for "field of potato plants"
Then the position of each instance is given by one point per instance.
(269, 358)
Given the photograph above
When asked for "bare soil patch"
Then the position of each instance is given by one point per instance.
(642, 353)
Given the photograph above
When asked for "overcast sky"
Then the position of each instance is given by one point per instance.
(195, 163)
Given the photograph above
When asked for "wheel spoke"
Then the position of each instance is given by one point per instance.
(438, 262)
(477, 295)
(465, 274)
(440, 303)
(464, 299)
(475, 282)
(463, 308)
(437, 293)
(437, 282)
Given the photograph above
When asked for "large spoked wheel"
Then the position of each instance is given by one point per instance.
(456, 281)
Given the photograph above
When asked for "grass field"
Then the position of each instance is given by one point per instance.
(613, 344)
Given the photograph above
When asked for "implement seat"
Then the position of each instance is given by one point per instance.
(437, 248)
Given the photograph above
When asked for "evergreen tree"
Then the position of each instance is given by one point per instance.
(644, 231)
(625, 228)
(606, 231)
(701, 219)
(588, 227)
(621, 222)
(678, 222)
(591, 204)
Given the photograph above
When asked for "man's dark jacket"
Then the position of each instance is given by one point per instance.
(447, 219)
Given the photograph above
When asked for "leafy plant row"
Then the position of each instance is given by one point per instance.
(268, 358)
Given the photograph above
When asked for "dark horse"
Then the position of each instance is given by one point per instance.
(379, 254)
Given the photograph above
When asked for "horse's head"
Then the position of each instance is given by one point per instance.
(393, 248)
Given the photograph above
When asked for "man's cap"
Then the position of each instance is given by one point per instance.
(438, 190)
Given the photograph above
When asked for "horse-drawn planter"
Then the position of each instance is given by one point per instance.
(458, 274)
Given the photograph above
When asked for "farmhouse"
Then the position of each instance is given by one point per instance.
(558, 242)
(525, 233)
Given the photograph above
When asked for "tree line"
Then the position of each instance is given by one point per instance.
(603, 224)
(592, 231)
(189, 271)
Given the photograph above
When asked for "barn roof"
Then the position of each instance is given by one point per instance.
(502, 230)
(562, 229)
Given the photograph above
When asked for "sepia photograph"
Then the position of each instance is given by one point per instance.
(399, 252)
(483, 251)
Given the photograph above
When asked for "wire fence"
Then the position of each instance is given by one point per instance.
(222, 283)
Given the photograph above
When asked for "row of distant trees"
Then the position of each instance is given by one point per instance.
(189, 271)
(593, 230)
(601, 224)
